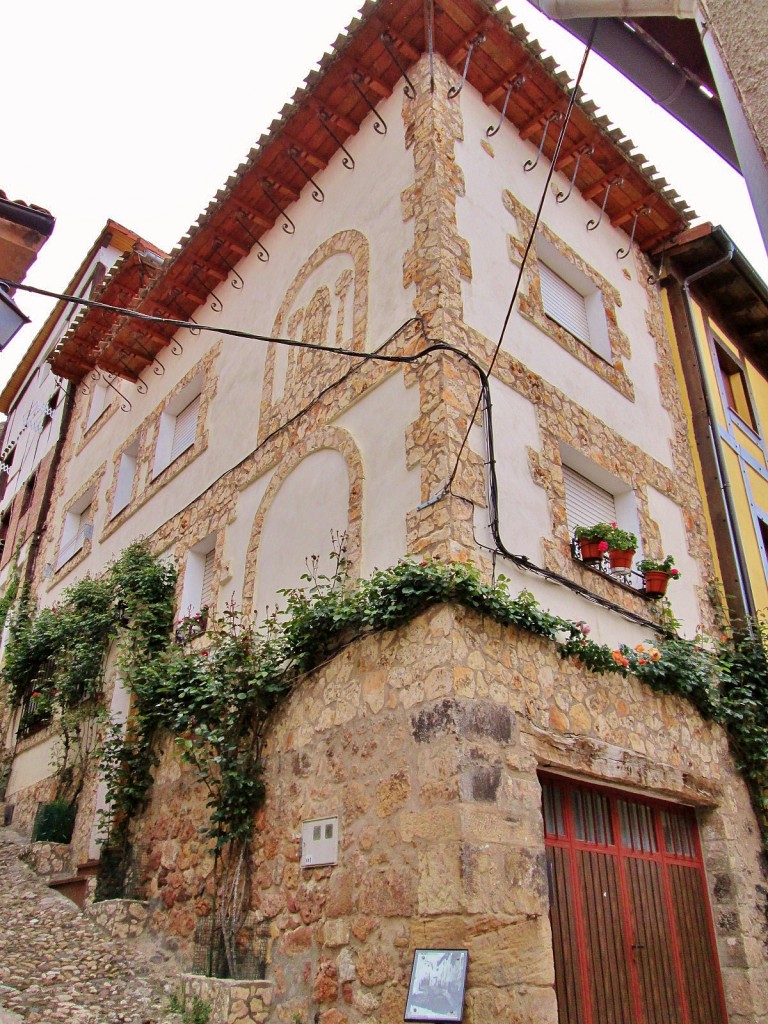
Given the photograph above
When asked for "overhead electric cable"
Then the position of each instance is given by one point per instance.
(561, 138)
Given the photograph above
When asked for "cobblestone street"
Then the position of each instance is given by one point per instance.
(57, 965)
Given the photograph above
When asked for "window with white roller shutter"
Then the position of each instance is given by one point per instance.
(572, 299)
(185, 428)
(177, 431)
(585, 503)
(207, 587)
(563, 304)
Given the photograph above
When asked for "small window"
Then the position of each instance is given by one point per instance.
(585, 502)
(197, 592)
(572, 299)
(126, 473)
(735, 387)
(177, 431)
(5, 525)
(207, 587)
(564, 304)
(27, 494)
(78, 527)
(184, 428)
(99, 402)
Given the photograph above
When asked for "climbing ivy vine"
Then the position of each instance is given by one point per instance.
(215, 692)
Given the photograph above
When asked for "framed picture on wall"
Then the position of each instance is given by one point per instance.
(436, 992)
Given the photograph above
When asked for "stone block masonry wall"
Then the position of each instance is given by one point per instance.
(426, 742)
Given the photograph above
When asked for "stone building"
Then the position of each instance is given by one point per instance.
(458, 763)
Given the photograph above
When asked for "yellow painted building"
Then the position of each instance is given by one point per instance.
(718, 309)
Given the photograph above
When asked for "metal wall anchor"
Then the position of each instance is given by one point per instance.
(556, 118)
(389, 45)
(517, 82)
(289, 227)
(454, 91)
(380, 125)
(318, 195)
(347, 160)
(622, 253)
(262, 253)
(592, 224)
(561, 197)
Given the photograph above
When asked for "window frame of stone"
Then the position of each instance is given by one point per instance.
(577, 467)
(125, 478)
(199, 583)
(99, 403)
(177, 430)
(572, 300)
(643, 855)
(77, 528)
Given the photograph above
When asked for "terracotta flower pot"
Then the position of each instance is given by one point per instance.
(656, 583)
(621, 561)
(591, 550)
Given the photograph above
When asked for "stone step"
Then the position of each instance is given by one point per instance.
(58, 964)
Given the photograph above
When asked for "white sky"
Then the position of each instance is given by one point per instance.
(140, 112)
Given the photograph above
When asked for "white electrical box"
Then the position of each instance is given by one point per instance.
(319, 842)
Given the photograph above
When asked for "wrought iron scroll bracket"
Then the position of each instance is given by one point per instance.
(622, 253)
(235, 276)
(216, 304)
(562, 197)
(159, 369)
(429, 25)
(139, 384)
(517, 82)
(592, 224)
(125, 405)
(289, 227)
(454, 91)
(347, 160)
(529, 165)
(318, 195)
(261, 253)
(655, 278)
(184, 316)
(379, 125)
(389, 45)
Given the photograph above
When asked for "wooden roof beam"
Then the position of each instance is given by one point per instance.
(618, 171)
(337, 119)
(465, 43)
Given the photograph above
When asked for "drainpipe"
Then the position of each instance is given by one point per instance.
(725, 486)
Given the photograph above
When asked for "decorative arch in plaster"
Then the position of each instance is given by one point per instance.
(325, 439)
(349, 242)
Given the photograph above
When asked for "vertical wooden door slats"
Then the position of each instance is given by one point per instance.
(631, 928)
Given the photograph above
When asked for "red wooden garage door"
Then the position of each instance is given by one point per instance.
(631, 925)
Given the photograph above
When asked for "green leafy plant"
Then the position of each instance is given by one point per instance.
(198, 1012)
(54, 822)
(609, 534)
(665, 565)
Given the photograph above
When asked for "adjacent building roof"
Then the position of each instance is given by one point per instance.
(363, 67)
(112, 234)
(24, 229)
(733, 292)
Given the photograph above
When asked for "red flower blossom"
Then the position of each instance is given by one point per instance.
(603, 545)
